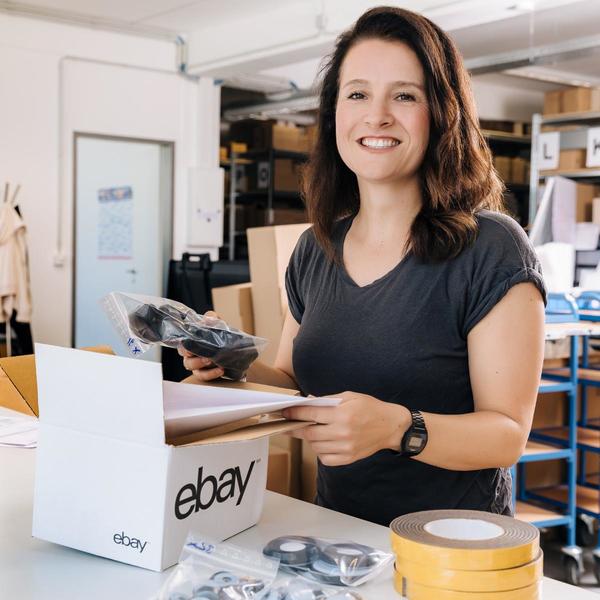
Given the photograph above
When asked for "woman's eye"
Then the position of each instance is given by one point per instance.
(406, 97)
(356, 96)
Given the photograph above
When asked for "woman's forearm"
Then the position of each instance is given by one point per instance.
(478, 440)
(259, 372)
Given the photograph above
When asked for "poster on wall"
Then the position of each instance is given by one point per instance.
(115, 223)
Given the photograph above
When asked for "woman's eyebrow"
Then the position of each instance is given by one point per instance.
(399, 83)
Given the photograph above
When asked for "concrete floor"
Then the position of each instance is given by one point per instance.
(553, 565)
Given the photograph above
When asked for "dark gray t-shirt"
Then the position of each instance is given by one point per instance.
(403, 339)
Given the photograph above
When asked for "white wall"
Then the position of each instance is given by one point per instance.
(511, 98)
(36, 117)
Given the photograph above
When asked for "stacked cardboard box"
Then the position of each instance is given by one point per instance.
(571, 159)
(519, 170)
(264, 135)
(503, 167)
(586, 193)
(270, 249)
(579, 99)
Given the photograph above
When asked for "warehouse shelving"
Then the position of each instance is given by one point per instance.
(583, 436)
(572, 138)
(512, 145)
(540, 506)
(269, 195)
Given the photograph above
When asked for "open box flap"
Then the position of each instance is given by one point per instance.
(101, 394)
(244, 429)
(18, 384)
(18, 389)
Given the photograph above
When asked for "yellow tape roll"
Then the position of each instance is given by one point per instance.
(472, 581)
(414, 591)
(464, 540)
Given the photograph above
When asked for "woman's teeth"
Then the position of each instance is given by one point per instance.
(379, 143)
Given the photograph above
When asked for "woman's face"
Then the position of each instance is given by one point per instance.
(382, 118)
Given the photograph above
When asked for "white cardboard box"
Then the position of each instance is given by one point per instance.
(107, 482)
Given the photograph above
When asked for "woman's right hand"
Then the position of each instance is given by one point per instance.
(201, 367)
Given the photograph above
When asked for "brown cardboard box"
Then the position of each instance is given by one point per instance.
(239, 147)
(279, 470)
(294, 447)
(287, 175)
(311, 135)
(503, 165)
(519, 170)
(586, 193)
(290, 137)
(571, 159)
(581, 99)
(308, 473)
(263, 135)
(553, 102)
(234, 304)
(269, 250)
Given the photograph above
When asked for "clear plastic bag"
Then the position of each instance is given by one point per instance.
(218, 571)
(300, 589)
(143, 321)
(329, 562)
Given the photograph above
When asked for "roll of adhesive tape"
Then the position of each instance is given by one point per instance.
(350, 556)
(293, 550)
(472, 581)
(465, 540)
(414, 591)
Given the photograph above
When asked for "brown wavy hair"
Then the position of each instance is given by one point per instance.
(457, 176)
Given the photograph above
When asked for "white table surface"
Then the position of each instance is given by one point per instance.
(31, 569)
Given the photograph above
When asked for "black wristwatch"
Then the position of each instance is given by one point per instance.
(415, 438)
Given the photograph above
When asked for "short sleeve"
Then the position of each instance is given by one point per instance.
(294, 279)
(501, 258)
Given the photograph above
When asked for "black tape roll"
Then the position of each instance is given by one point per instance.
(355, 557)
(293, 550)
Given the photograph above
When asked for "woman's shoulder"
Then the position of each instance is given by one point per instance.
(500, 234)
(307, 241)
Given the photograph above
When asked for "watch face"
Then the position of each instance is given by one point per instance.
(415, 442)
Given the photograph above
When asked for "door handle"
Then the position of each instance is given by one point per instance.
(131, 271)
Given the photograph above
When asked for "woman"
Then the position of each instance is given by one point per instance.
(411, 298)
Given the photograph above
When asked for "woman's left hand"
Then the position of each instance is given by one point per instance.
(358, 427)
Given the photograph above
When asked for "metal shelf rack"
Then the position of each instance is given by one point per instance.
(540, 506)
(574, 139)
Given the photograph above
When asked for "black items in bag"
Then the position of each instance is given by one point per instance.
(143, 321)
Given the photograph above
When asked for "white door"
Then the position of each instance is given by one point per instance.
(123, 216)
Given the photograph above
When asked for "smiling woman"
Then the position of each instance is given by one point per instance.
(411, 298)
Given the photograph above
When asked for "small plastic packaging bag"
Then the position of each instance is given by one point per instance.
(143, 321)
(218, 571)
(300, 589)
(329, 562)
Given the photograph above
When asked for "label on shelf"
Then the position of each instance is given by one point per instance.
(549, 150)
(593, 147)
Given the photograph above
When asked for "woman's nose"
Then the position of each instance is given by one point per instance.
(378, 114)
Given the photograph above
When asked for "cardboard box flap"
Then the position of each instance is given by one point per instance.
(249, 429)
(100, 394)
(18, 388)
(21, 371)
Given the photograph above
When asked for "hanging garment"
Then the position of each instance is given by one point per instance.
(14, 278)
